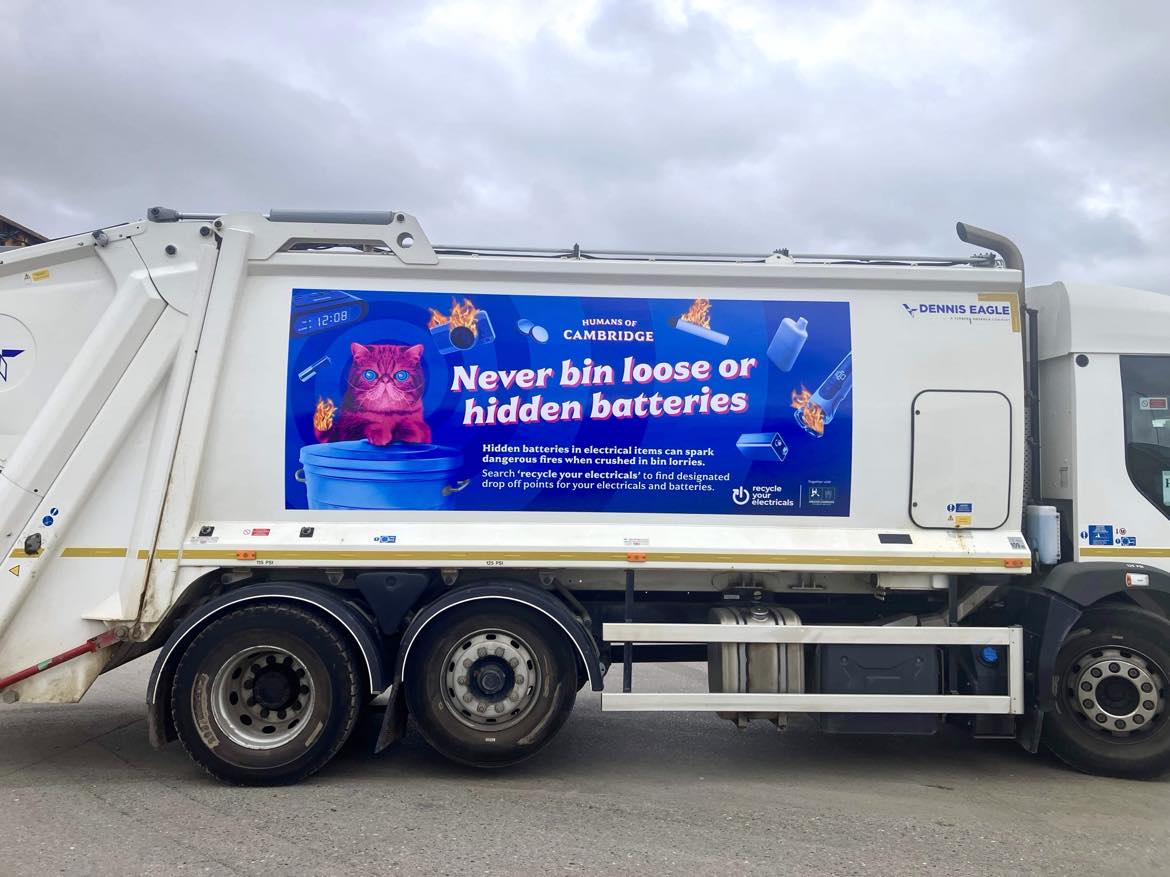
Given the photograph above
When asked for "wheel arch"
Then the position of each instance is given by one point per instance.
(1074, 588)
(361, 631)
(515, 592)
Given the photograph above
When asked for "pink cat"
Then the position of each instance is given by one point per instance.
(384, 402)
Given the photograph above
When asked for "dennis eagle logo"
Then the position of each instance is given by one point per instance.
(910, 309)
(7, 353)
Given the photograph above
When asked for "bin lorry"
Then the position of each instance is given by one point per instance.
(322, 466)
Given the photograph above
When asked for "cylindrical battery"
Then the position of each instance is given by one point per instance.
(828, 397)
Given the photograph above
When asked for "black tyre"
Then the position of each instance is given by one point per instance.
(490, 684)
(266, 695)
(1112, 715)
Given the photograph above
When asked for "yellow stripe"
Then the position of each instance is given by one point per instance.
(1125, 552)
(93, 552)
(1010, 297)
(19, 552)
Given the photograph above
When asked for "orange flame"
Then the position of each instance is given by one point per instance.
(323, 416)
(699, 313)
(461, 315)
(810, 412)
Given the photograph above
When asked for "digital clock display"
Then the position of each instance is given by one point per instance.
(327, 318)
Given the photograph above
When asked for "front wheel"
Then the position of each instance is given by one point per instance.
(490, 684)
(266, 694)
(1112, 715)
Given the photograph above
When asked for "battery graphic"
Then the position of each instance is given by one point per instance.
(767, 447)
(814, 411)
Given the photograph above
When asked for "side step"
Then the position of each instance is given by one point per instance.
(1009, 703)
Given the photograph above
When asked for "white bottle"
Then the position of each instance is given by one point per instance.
(787, 343)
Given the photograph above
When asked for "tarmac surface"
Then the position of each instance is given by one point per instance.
(81, 791)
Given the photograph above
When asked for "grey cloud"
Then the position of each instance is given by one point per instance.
(638, 125)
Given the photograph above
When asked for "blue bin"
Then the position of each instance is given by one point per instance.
(360, 476)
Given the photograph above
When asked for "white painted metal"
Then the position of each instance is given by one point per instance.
(1015, 659)
(962, 459)
(156, 407)
(620, 632)
(1092, 318)
(1011, 703)
(1105, 494)
(807, 703)
(248, 416)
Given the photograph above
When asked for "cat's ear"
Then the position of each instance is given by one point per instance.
(357, 350)
(416, 351)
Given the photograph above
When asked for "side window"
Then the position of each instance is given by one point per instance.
(1145, 389)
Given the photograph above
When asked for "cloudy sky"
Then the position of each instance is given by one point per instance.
(700, 124)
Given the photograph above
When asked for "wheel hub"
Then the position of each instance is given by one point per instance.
(490, 679)
(1117, 690)
(260, 697)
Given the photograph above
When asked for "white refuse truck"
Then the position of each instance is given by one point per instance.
(321, 466)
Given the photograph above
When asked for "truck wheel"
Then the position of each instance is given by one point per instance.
(1112, 715)
(489, 686)
(266, 695)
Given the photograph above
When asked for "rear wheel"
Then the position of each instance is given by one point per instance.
(489, 686)
(266, 694)
(1112, 715)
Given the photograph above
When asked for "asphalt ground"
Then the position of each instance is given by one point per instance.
(82, 791)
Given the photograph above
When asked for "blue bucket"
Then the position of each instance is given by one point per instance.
(360, 476)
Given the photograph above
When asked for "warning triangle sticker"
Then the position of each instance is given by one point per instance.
(15, 570)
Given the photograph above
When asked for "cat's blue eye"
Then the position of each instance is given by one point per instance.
(401, 375)
(369, 375)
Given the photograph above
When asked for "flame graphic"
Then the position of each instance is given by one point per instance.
(811, 413)
(323, 416)
(461, 315)
(699, 313)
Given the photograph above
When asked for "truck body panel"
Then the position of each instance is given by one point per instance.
(323, 424)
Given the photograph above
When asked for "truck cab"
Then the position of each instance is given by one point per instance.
(1104, 368)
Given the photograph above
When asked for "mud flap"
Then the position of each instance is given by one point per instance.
(394, 722)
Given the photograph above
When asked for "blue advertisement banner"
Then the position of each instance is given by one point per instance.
(557, 403)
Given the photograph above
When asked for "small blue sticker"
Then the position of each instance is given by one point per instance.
(1100, 534)
(47, 520)
(1129, 541)
(385, 538)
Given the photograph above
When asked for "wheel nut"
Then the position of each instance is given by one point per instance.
(1147, 687)
(499, 707)
(519, 680)
(1086, 686)
(514, 662)
(513, 695)
(1119, 724)
(1147, 704)
(467, 698)
(1115, 668)
(499, 651)
(1100, 718)
(1088, 703)
(481, 709)
(482, 651)
(1133, 673)
(462, 680)
(1138, 719)
(1095, 672)
(467, 662)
